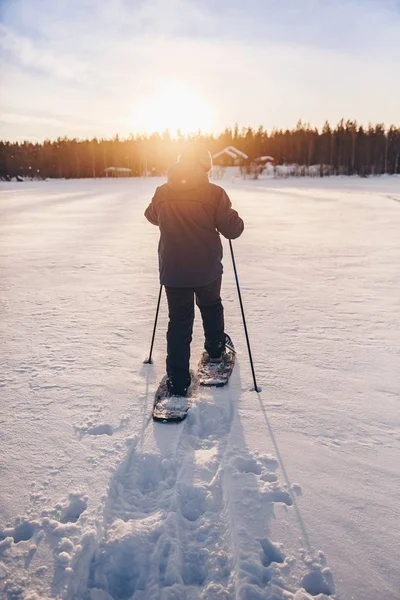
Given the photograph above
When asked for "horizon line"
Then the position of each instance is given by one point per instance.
(176, 136)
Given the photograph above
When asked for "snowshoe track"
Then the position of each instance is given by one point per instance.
(190, 525)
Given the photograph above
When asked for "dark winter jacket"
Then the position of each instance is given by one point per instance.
(191, 213)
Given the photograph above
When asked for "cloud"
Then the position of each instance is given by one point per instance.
(160, 18)
(74, 20)
(38, 55)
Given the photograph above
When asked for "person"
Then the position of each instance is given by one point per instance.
(191, 213)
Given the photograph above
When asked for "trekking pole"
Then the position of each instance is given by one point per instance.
(256, 388)
(149, 361)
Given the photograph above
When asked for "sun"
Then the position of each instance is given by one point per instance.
(173, 107)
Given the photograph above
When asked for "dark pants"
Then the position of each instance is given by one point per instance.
(180, 327)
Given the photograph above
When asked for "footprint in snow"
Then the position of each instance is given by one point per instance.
(89, 429)
(269, 477)
(260, 467)
(193, 502)
(278, 495)
(100, 430)
(270, 553)
(21, 532)
(247, 465)
(77, 504)
(315, 583)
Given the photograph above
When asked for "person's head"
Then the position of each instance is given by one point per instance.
(196, 153)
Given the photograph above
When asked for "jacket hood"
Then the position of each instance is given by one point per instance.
(182, 176)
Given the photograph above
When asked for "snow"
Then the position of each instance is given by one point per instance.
(232, 152)
(290, 493)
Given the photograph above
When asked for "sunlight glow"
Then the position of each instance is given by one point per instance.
(173, 107)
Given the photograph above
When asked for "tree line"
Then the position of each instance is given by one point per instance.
(347, 149)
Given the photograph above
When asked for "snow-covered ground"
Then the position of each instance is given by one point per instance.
(289, 493)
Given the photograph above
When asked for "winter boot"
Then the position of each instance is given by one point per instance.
(176, 388)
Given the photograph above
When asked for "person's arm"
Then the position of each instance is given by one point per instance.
(227, 220)
(151, 211)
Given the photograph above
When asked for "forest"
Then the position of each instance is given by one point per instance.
(346, 149)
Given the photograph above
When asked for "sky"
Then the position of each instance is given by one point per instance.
(85, 68)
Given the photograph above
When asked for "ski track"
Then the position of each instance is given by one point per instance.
(175, 525)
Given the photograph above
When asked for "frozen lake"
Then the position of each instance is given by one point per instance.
(288, 494)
